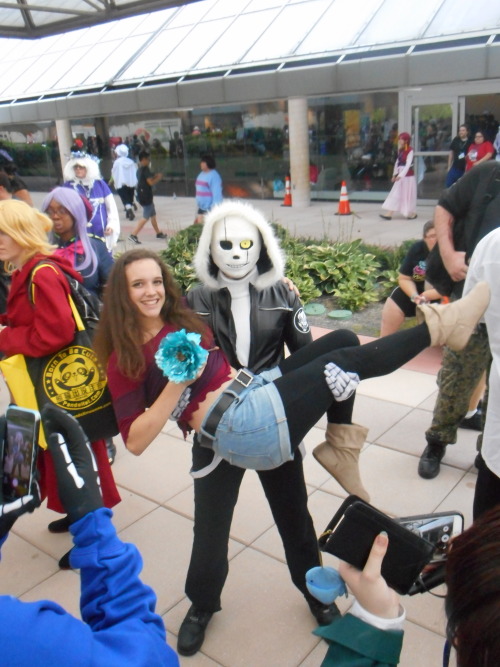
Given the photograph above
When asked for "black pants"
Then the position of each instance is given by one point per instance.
(126, 194)
(487, 491)
(306, 396)
(215, 498)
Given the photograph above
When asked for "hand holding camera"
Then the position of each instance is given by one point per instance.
(19, 490)
(368, 585)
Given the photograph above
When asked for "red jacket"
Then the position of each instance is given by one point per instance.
(45, 326)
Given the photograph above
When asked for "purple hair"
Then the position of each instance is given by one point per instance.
(73, 202)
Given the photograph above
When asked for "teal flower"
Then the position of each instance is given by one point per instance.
(180, 356)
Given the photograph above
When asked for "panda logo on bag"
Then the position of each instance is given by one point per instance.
(300, 321)
(74, 379)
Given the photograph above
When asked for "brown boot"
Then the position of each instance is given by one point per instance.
(340, 453)
(453, 324)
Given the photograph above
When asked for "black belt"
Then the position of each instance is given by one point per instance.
(242, 380)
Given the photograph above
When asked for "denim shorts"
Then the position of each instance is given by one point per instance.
(253, 431)
(148, 211)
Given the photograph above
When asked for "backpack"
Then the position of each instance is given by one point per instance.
(87, 304)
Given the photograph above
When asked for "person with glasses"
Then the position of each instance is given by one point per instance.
(480, 151)
(70, 213)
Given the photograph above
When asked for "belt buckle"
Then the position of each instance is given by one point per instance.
(243, 378)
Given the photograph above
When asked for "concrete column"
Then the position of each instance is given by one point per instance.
(64, 140)
(299, 151)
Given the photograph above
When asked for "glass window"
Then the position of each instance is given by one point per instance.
(235, 42)
(147, 62)
(463, 17)
(376, 30)
(35, 71)
(199, 40)
(115, 54)
(353, 138)
(340, 25)
(192, 13)
(225, 8)
(286, 31)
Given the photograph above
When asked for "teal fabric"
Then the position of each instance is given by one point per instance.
(354, 643)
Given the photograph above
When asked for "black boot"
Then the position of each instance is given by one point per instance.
(59, 525)
(323, 613)
(192, 631)
(111, 450)
(430, 461)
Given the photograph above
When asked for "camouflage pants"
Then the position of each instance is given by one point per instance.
(457, 379)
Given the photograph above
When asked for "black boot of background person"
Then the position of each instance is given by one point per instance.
(111, 450)
(192, 631)
(430, 461)
(323, 613)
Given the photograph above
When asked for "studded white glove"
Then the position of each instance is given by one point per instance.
(342, 384)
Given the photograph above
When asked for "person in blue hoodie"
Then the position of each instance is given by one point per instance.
(119, 626)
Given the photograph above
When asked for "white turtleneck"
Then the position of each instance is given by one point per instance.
(240, 308)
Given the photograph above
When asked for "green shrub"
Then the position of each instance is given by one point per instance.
(354, 273)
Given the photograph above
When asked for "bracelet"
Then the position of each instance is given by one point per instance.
(413, 297)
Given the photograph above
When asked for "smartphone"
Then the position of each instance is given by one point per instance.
(19, 451)
(350, 535)
(438, 528)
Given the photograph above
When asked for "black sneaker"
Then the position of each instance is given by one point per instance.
(161, 235)
(474, 423)
(192, 631)
(134, 239)
(430, 461)
(130, 214)
(323, 613)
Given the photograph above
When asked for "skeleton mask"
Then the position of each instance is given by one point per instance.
(235, 247)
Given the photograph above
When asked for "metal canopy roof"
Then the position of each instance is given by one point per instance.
(39, 18)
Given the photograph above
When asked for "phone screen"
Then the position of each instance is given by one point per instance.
(21, 439)
(436, 528)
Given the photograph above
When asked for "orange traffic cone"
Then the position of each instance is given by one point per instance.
(344, 207)
(287, 201)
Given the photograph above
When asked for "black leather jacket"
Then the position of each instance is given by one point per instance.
(276, 318)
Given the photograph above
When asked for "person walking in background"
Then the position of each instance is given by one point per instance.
(480, 151)
(82, 174)
(411, 284)
(208, 187)
(145, 182)
(124, 174)
(403, 194)
(456, 157)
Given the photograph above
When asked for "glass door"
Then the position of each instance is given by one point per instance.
(433, 128)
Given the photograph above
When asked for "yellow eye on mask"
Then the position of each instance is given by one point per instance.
(246, 245)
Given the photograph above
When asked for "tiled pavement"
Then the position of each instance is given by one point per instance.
(264, 621)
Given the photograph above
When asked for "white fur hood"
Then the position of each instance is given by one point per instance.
(271, 263)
